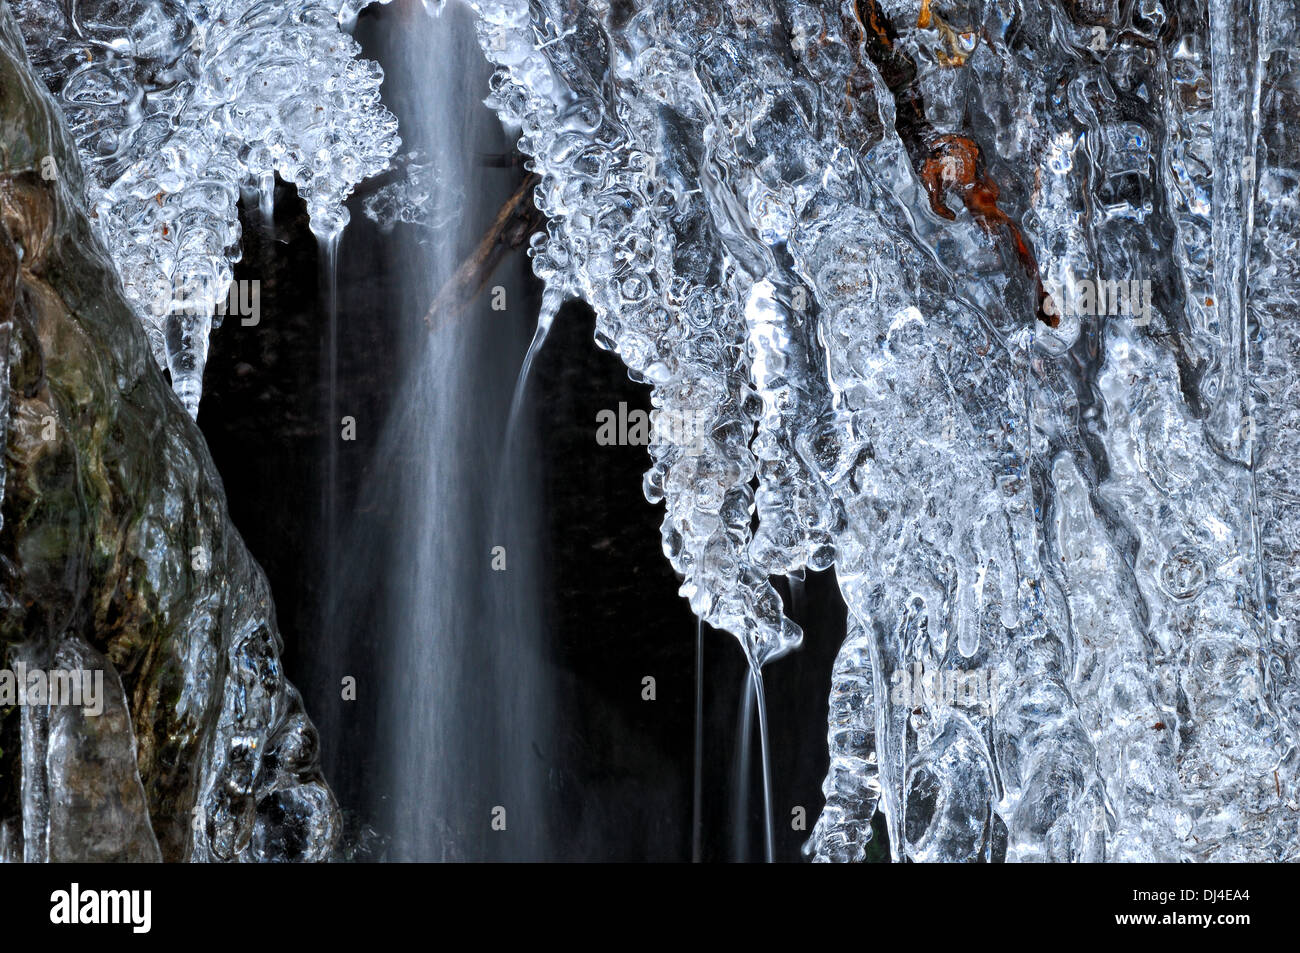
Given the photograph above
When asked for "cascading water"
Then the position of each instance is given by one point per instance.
(329, 257)
(440, 627)
(753, 708)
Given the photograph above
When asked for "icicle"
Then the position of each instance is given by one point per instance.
(266, 198)
(248, 94)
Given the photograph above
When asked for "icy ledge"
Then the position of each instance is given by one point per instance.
(178, 106)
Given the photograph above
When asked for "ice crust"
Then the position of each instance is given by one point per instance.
(179, 106)
(1092, 520)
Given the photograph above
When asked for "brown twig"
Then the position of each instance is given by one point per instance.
(943, 162)
(514, 224)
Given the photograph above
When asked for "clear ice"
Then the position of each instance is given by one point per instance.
(422, 196)
(841, 229)
(177, 107)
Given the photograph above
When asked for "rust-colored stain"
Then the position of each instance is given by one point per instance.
(947, 162)
(955, 163)
(876, 21)
(956, 54)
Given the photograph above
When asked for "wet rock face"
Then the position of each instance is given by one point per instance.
(117, 556)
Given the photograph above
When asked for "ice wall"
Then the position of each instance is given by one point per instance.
(974, 297)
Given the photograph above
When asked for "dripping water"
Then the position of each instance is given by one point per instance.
(756, 675)
(796, 583)
(550, 306)
(697, 788)
(266, 199)
(754, 700)
(740, 775)
(329, 256)
(508, 471)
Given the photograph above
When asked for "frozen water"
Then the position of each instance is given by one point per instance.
(1061, 519)
(176, 106)
(422, 196)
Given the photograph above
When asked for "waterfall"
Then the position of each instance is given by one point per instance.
(443, 628)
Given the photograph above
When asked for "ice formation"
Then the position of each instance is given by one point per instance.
(177, 106)
(421, 196)
(883, 246)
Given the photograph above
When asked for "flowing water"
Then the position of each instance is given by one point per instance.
(697, 761)
(765, 757)
(329, 258)
(444, 639)
(741, 773)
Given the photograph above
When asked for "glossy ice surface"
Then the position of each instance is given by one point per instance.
(825, 224)
(177, 106)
